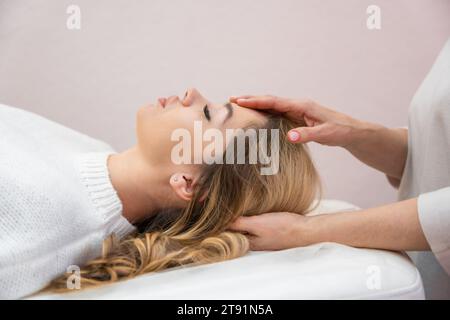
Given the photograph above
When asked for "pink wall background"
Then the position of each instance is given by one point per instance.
(131, 52)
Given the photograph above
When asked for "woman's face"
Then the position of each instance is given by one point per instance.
(156, 122)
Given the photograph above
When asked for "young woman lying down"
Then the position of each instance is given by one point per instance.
(68, 200)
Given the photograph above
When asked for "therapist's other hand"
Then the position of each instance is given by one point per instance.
(273, 231)
(323, 125)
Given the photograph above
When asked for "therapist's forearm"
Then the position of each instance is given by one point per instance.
(392, 227)
(382, 148)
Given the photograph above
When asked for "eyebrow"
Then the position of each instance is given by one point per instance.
(229, 107)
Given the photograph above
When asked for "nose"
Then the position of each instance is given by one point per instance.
(192, 96)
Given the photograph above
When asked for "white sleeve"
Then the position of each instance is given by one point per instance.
(434, 216)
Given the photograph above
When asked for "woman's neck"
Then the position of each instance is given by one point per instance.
(139, 185)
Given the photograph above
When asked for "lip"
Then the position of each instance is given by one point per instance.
(162, 102)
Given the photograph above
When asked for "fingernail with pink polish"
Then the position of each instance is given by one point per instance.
(293, 135)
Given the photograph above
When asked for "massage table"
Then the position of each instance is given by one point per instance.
(320, 271)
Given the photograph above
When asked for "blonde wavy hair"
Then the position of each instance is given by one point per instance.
(198, 234)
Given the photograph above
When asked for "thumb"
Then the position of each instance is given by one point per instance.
(304, 134)
(243, 224)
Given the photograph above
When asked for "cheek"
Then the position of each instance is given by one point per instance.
(151, 133)
(145, 119)
(145, 116)
(155, 127)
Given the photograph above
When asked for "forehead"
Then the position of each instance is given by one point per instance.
(243, 117)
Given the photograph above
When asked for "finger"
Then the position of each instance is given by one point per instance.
(234, 99)
(257, 102)
(274, 104)
(255, 244)
(305, 134)
(309, 121)
(243, 224)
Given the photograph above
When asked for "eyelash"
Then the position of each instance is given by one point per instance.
(206, 112)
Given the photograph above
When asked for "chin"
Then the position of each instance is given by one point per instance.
(146, 109)
(145, 112)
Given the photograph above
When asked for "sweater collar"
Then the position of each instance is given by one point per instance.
(95, 177)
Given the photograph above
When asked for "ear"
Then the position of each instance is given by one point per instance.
(183, 185)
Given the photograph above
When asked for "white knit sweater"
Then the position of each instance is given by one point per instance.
(57, 203)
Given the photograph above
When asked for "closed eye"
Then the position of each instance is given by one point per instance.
(206, 112)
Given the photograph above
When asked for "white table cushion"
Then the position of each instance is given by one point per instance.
(320, 271)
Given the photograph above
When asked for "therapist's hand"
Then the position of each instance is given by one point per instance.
(381, 148)
(394, 226)
(274, 231)
(323, 125)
